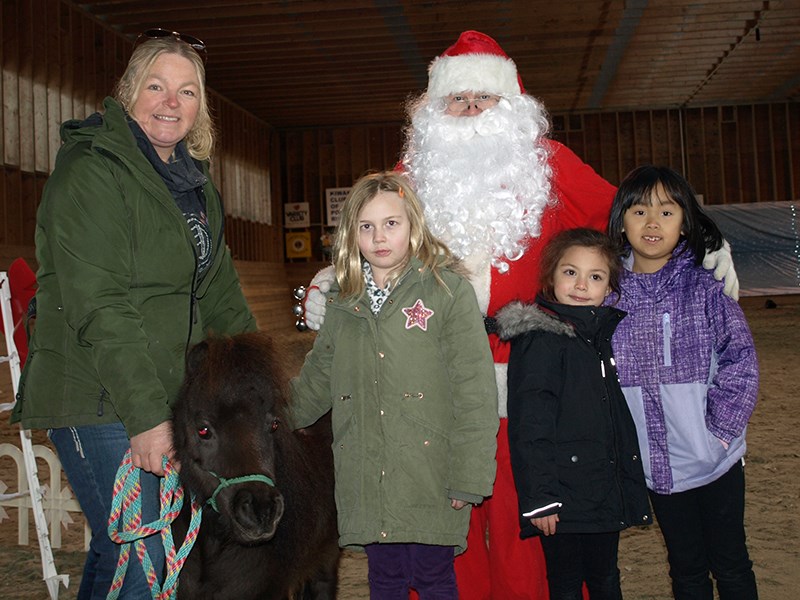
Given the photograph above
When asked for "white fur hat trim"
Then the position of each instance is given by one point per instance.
(472, 72)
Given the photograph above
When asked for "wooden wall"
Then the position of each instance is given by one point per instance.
(59, 64)
(730, 154)
(313, 160)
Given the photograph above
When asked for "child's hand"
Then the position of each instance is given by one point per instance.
(457, 504)
(547, 525)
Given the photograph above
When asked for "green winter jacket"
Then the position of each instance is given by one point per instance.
(116, 281)
(414, 410)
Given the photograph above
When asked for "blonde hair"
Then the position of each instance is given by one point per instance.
(347, 259)
(200, 138)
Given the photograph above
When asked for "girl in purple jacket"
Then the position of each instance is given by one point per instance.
(688, 369)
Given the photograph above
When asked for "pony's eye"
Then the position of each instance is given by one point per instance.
(204, 433)
(275, 424)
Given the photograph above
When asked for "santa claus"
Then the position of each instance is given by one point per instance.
(495, 189)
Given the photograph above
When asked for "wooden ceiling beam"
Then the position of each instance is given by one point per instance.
(314, 61)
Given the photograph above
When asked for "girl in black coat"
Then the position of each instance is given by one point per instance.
(574, 451)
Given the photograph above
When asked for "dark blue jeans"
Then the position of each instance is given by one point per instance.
(575, 558)
(396, 568)
(91, 456)
(704, 532)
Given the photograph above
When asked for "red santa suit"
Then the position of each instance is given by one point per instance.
(509, 568)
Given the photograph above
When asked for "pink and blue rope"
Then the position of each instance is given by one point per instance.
(126, 511)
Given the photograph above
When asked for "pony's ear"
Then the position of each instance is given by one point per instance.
(196, 357)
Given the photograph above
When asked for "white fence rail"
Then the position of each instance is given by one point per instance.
(57, 501)
(41, 500)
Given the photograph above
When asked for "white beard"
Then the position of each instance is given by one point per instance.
(484, 180)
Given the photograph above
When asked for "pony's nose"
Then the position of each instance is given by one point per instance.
(257, 515)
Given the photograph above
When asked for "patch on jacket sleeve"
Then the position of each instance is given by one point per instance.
(417, 315)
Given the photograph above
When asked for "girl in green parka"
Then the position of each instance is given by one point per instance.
(133, 269)
(403, 364)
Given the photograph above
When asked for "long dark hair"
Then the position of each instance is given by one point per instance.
(583, 238)
(699, 231)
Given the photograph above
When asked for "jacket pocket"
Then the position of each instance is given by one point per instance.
(583, 473)
(422, 461)
(428, 411)
(346, 454)
(19, 399)
(693, 450)
(101, 399)
(341, 416)
(635, 401)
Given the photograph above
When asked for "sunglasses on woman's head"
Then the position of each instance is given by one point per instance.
(153, 34)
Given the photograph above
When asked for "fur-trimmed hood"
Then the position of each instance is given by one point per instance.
(517, 318)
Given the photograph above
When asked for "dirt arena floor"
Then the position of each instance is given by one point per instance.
(773, 485)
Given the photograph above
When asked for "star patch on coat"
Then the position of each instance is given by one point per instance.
(417, 315)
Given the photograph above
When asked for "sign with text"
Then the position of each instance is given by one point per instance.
(334, 200)
(296, 215)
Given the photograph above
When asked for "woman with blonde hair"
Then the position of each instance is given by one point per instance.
(133, 270)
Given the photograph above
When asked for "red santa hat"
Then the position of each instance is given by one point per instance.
(476, 63)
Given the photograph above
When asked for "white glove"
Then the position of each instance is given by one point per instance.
(722, 262)
(315, 297)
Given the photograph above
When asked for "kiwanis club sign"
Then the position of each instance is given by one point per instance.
(334, 199)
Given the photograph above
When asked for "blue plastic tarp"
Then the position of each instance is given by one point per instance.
(765, 244)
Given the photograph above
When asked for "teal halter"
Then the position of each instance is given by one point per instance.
(224, 483)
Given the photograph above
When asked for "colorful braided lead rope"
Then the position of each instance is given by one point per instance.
(126, 508)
